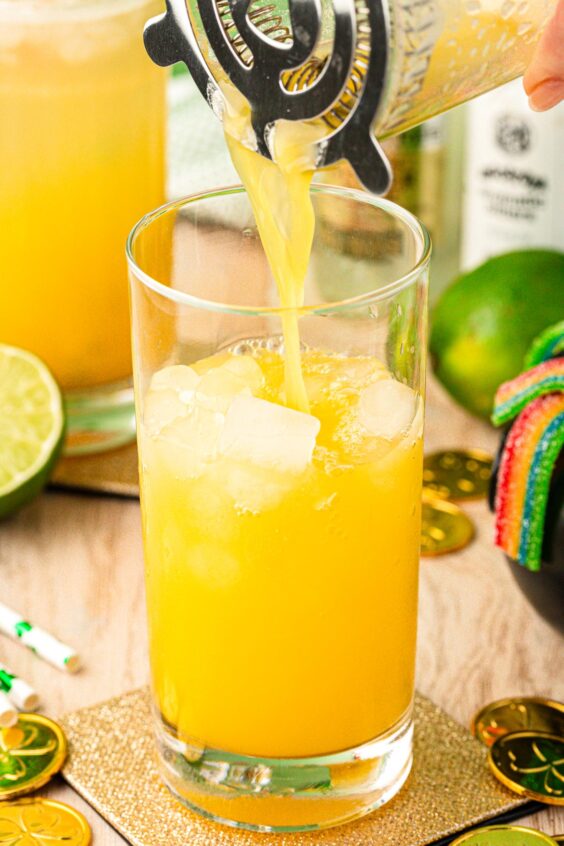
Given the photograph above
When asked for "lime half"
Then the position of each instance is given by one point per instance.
(32, 425)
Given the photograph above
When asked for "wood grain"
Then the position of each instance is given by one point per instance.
(73, 563)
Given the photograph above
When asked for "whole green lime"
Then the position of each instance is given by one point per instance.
(484, 323)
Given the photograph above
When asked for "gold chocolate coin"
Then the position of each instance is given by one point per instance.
(31, 752)
(42, 822)
(444, 527)
(504, 835)
(530, 763)
(458, 473)
(521, 713)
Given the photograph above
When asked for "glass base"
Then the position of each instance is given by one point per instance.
(286, 794)
(99, 418)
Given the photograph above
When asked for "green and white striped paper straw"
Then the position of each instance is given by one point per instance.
(8, 712)
(17, 690)
(38, 640)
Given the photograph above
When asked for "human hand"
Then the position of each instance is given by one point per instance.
(544, 79)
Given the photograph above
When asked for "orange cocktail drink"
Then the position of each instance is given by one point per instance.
(281, 527)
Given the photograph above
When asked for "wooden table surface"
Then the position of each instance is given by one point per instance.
(73, 563)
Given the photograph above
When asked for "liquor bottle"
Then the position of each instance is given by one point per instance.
(514, 176)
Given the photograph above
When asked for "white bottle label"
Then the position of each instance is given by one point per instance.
(514, 186)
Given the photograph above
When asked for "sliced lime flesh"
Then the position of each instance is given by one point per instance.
(32, 425)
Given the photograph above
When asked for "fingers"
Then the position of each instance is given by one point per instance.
(544, 79)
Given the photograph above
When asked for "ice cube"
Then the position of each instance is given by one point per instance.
(387, 408)
(358, 371)
(268, 434)
(247, 369)
(210, 362)
(253, 488)
(179, 377)
(189, 442)
(340, 376)
(160, 408)
(217, 388)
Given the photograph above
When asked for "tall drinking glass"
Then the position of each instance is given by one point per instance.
(82, 150)
(281, 547)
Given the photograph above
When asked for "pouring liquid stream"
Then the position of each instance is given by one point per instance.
(279, 194)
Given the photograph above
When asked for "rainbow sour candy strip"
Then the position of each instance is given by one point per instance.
(513, 396)
(525, 470)
(548, 344)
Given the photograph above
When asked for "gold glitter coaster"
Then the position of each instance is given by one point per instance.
(112, 765)
(113, 472)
